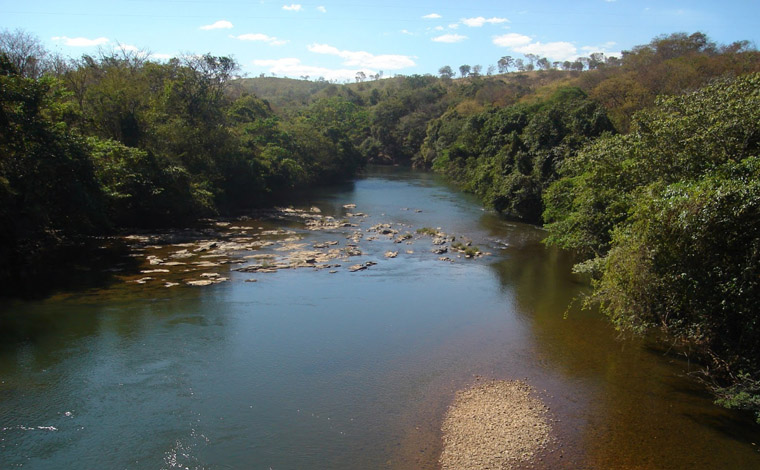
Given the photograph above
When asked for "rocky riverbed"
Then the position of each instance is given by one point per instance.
(494, 425)
(278, 239)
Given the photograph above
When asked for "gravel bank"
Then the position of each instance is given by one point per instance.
(495, 425)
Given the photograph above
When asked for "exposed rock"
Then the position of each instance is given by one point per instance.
(402, 238)
(206, 264)
(349, 206)
(391, 254)
(352, 251)
(440, 250)
(320, 245)
(261, 256)
(151, 271)
(357, 267)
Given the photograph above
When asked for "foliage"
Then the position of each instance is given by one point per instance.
(48, 188)
(670, 216)
(508, 156)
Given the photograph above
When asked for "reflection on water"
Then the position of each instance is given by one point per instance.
(308, 369)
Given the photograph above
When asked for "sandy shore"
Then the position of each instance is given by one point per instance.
(494, 425)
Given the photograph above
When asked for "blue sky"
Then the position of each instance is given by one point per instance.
(335, 39)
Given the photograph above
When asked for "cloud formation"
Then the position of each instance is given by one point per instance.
(450, 38)
(558, 50)
(511, 40)
(292, 7)
(432, 16)
(80, 42)
(322, 9)
(271, 40)
(221, 24)
(292, 67)
(364, 59)
(480, 21)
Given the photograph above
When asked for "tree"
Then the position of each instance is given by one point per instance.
(520, 65)
(505, 63)
(532, 59)
(25, 52)
(543, 63)
(476, 70)
(464, 70)
(491, 70)
(673, 242)
(446, 72)
(360, 76)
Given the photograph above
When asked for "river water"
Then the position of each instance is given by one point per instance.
(328, 368)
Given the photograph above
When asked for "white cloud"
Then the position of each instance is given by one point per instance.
(80, 42)
(480, 21)
(292, 7)
(450, 38)
(432, 16)
(439, 28)
(559, 50)
(292, 67)
(161, 56)
(606, 49)
(607, 45)
(454, 26)
(221, 24)
(407, 32)
(128, 48)
(365, 59)
(511, 40)
(322, 9)
(271, 40)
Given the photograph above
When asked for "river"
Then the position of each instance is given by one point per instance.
(334, 369)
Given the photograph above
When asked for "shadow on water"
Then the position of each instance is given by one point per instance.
(640, 409)
(88, 263)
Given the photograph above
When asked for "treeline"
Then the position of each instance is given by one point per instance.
(647, 166)
(99, 143)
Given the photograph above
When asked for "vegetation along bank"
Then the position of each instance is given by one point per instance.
(647, 165)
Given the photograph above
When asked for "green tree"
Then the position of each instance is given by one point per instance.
(505, 63)
(673, 242)
(446, 72)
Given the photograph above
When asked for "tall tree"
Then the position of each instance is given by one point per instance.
(464, 70)
(505, 63)
(446, 72)
(25, 52)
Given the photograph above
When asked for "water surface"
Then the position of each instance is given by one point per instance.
(311, 369)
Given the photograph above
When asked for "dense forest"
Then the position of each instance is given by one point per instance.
(647, 166)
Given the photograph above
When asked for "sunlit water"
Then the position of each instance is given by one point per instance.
(312, 369)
